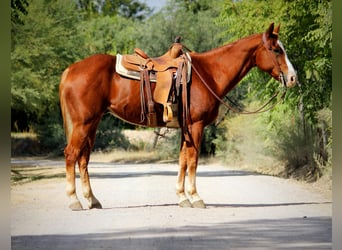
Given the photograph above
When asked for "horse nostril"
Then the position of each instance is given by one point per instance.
(293, 79)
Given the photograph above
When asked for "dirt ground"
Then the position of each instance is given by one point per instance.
(245, 210)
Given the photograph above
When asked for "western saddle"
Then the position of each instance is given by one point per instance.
(170, 71)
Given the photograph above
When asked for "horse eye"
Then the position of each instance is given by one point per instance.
(277, 51)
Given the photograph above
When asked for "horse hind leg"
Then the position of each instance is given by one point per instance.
(83, 161)
(71, 155)
(78, 150)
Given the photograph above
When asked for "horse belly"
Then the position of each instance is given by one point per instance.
(125, 102)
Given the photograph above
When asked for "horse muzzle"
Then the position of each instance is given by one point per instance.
(288, 80)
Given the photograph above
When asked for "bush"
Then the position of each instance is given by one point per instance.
(304, 148)
(168, 145)
(241, 143)
(277, 143)
(51, 137)
(109, 135)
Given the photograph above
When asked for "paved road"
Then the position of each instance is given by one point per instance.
(245, 211)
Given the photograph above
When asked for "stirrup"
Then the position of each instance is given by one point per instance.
(168, 114)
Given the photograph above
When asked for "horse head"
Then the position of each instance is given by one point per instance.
(271, 57)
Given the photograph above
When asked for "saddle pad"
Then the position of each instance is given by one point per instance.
(120, 69)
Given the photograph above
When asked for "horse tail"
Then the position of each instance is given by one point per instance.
(67, 122)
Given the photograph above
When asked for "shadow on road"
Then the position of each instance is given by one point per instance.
(219, 205)
(298, 233)
(135, 174)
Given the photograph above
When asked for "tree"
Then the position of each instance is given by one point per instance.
(19, 8)
(197, 29)
(108, 34)
(311, 35)
(132, 9)
(42, 47)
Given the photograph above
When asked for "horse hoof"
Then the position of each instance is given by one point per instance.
(75, 206)
(96, 205)
(198, 204)
(185, 203)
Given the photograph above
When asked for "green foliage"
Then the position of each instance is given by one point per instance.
(42, 47)
(169, 147)
(310, 33)
(212, 135)
(131, 9)
(51, 136)
(18, 10)
(51, 36)
(198, 30)
(108, 34)
(299, 148)
(242, 18)
(242, 143)
(195, 6)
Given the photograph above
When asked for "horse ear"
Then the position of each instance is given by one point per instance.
(272, 34)
(269, 31)
(276, 30)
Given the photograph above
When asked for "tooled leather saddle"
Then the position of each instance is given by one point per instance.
(170, 72)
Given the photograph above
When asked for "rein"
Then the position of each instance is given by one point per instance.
(262, 109)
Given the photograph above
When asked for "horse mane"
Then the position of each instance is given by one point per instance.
(224, 47)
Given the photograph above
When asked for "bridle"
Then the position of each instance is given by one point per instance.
(271, 53)
(263, 108)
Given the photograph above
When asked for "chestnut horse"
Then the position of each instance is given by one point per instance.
(90, 87)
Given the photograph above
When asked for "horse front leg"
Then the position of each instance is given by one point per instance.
(188, 160)
(192, 161)
(180, 190)
(192, 154)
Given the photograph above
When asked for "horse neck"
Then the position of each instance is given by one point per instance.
(225, 66)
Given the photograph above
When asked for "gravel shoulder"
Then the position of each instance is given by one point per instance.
(244, 210)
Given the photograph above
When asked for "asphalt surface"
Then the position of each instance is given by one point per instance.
(244, 211)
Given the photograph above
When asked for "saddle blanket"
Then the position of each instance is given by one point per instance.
(121, 70)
